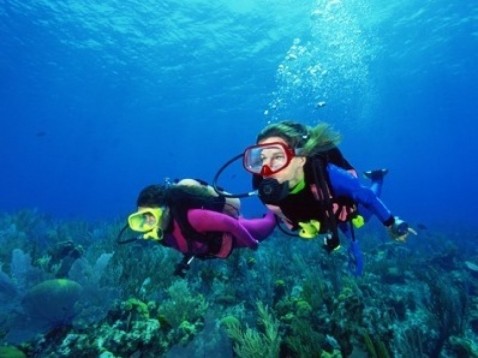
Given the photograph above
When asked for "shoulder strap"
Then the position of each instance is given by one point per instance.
(318, 173)
(181, 201)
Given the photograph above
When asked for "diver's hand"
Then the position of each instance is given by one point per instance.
(400, 230)
(404, 237)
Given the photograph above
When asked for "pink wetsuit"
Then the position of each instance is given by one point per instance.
(237, 232)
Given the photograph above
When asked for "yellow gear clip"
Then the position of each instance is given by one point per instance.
(358, 221)
(309, 230)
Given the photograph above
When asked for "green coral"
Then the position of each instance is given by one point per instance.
(375, 347)
(230, 321)
(334, 354)
(138, 306)
(303, 308)
(11, 352)
(251, 343)
(302, 340)
(345, 293)
(182, 305)
(187, 331)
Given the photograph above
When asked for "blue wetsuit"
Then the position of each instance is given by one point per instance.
(368, 202)
(345, 184)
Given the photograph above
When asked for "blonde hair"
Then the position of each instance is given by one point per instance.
(312, 140)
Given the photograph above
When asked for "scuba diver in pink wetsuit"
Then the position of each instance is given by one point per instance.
(191, 218)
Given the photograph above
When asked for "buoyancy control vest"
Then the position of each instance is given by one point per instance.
(316, 201)
(180, 202)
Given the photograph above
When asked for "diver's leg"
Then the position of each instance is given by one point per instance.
(376, 176)
(356, 260)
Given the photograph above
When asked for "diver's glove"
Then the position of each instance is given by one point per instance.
(400, 230)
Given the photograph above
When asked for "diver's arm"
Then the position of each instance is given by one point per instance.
(260, 228)
(207, 221)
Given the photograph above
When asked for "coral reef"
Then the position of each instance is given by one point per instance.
(69, 290)
(250, 342)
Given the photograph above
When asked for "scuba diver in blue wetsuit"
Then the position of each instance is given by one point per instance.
(301, 176)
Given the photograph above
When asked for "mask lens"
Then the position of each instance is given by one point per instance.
(145, 220)
(267, 159)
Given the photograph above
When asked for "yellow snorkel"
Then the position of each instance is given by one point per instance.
(148, 222)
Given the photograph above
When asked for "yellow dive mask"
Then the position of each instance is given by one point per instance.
(147, 221)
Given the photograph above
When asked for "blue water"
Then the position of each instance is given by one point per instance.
(98, 99)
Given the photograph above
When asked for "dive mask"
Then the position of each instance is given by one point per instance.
(267, 159)
(147, 221)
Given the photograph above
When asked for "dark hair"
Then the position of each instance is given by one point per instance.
(179, 199)
(176, 196)
(152, 196)
(312, 140)
(295, 134)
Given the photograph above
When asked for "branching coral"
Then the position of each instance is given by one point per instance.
(302, 340)
(375, 347)
(251, 343)
(183, 305)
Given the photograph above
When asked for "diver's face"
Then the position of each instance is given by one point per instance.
(149, 218)
(293, 172)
